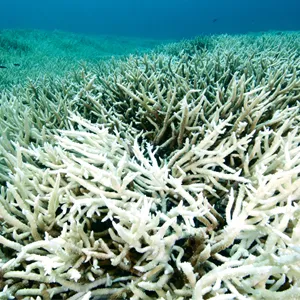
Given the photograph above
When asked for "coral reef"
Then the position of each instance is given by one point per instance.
(173, 175)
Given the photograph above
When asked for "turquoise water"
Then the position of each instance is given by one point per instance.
(156, 18)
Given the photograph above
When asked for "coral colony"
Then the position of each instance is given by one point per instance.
(171, 175)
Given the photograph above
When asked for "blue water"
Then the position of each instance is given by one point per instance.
(151, 18)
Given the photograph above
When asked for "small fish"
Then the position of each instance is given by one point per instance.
(17, 65)
(3, 67)
(215, 20)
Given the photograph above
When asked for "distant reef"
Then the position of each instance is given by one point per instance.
(40, 53)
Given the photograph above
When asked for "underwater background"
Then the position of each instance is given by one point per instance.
(155, 19)
(52, 38)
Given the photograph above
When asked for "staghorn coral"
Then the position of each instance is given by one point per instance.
(169, 176)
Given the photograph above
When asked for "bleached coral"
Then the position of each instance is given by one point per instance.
(160, 184)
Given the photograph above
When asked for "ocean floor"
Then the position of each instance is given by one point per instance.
(33, 54)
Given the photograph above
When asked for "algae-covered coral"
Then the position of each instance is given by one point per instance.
(173, 175)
